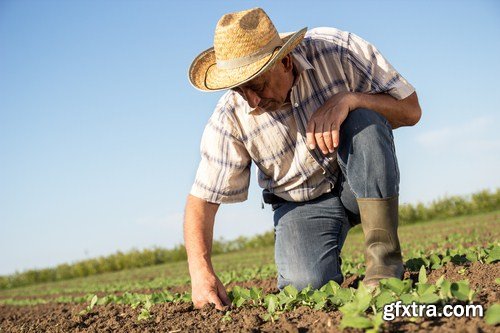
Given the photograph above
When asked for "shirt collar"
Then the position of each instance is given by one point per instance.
(301, 63)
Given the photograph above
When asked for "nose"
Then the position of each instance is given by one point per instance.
(251, 97)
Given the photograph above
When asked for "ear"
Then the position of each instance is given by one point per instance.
(287, 62)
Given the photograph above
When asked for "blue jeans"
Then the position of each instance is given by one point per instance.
(309, 235)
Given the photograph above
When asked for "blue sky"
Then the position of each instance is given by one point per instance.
(100, 128)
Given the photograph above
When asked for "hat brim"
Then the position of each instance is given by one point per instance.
(206, 76)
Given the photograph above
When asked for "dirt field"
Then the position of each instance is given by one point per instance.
(182, 317)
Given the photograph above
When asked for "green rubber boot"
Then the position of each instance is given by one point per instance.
(379, 220)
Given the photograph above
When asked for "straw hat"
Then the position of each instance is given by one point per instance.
(246, 43)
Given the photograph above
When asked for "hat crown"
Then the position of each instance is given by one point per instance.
(243, 34)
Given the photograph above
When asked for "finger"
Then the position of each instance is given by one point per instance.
(321, 142)
(311, 141)
(335, 137)
(327, 137)
(223, 295)
(214, 299)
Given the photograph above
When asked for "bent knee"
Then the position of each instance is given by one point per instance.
(363, 120)
(365, 117)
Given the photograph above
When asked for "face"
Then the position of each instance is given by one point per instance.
(270, 90)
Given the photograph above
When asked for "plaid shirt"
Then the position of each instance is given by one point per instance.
(328, 61)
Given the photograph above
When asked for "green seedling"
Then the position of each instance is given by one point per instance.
(461, 291)
(493, 254)
(492, 315)
(145, 313)
(227, 317)
(89, 307)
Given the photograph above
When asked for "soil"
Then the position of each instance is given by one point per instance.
(182, 317)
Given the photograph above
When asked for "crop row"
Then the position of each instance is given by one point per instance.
(433, 259)
(361, 308)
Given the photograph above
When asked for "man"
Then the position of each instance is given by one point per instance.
(315, 112)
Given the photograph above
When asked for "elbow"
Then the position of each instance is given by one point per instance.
(415, 115)
(414, 112)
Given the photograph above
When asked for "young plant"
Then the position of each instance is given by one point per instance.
(145, 313)
(89, 307)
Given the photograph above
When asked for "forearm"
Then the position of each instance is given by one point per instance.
(198, 233)
(405, 112)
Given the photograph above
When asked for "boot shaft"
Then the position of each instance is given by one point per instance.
(379, 221)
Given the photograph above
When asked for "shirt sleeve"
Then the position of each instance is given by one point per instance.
(368, 71)
(223, 174)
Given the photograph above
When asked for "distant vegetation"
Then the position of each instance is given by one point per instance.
(480, 202)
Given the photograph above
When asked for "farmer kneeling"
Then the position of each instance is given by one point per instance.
(314, 110)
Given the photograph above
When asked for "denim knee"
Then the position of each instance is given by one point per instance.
(361, 118)
(367, 155)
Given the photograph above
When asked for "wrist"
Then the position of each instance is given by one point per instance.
(200, 267)
(355, 101)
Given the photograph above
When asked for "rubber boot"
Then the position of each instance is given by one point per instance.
(379, 220)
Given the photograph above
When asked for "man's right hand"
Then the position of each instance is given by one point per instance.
(207, 288)
(198, 235)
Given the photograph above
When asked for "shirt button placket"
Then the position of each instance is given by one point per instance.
(295, 106)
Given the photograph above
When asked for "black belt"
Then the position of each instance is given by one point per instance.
(271, 198)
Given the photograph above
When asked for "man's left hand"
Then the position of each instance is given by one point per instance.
(323, 128)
